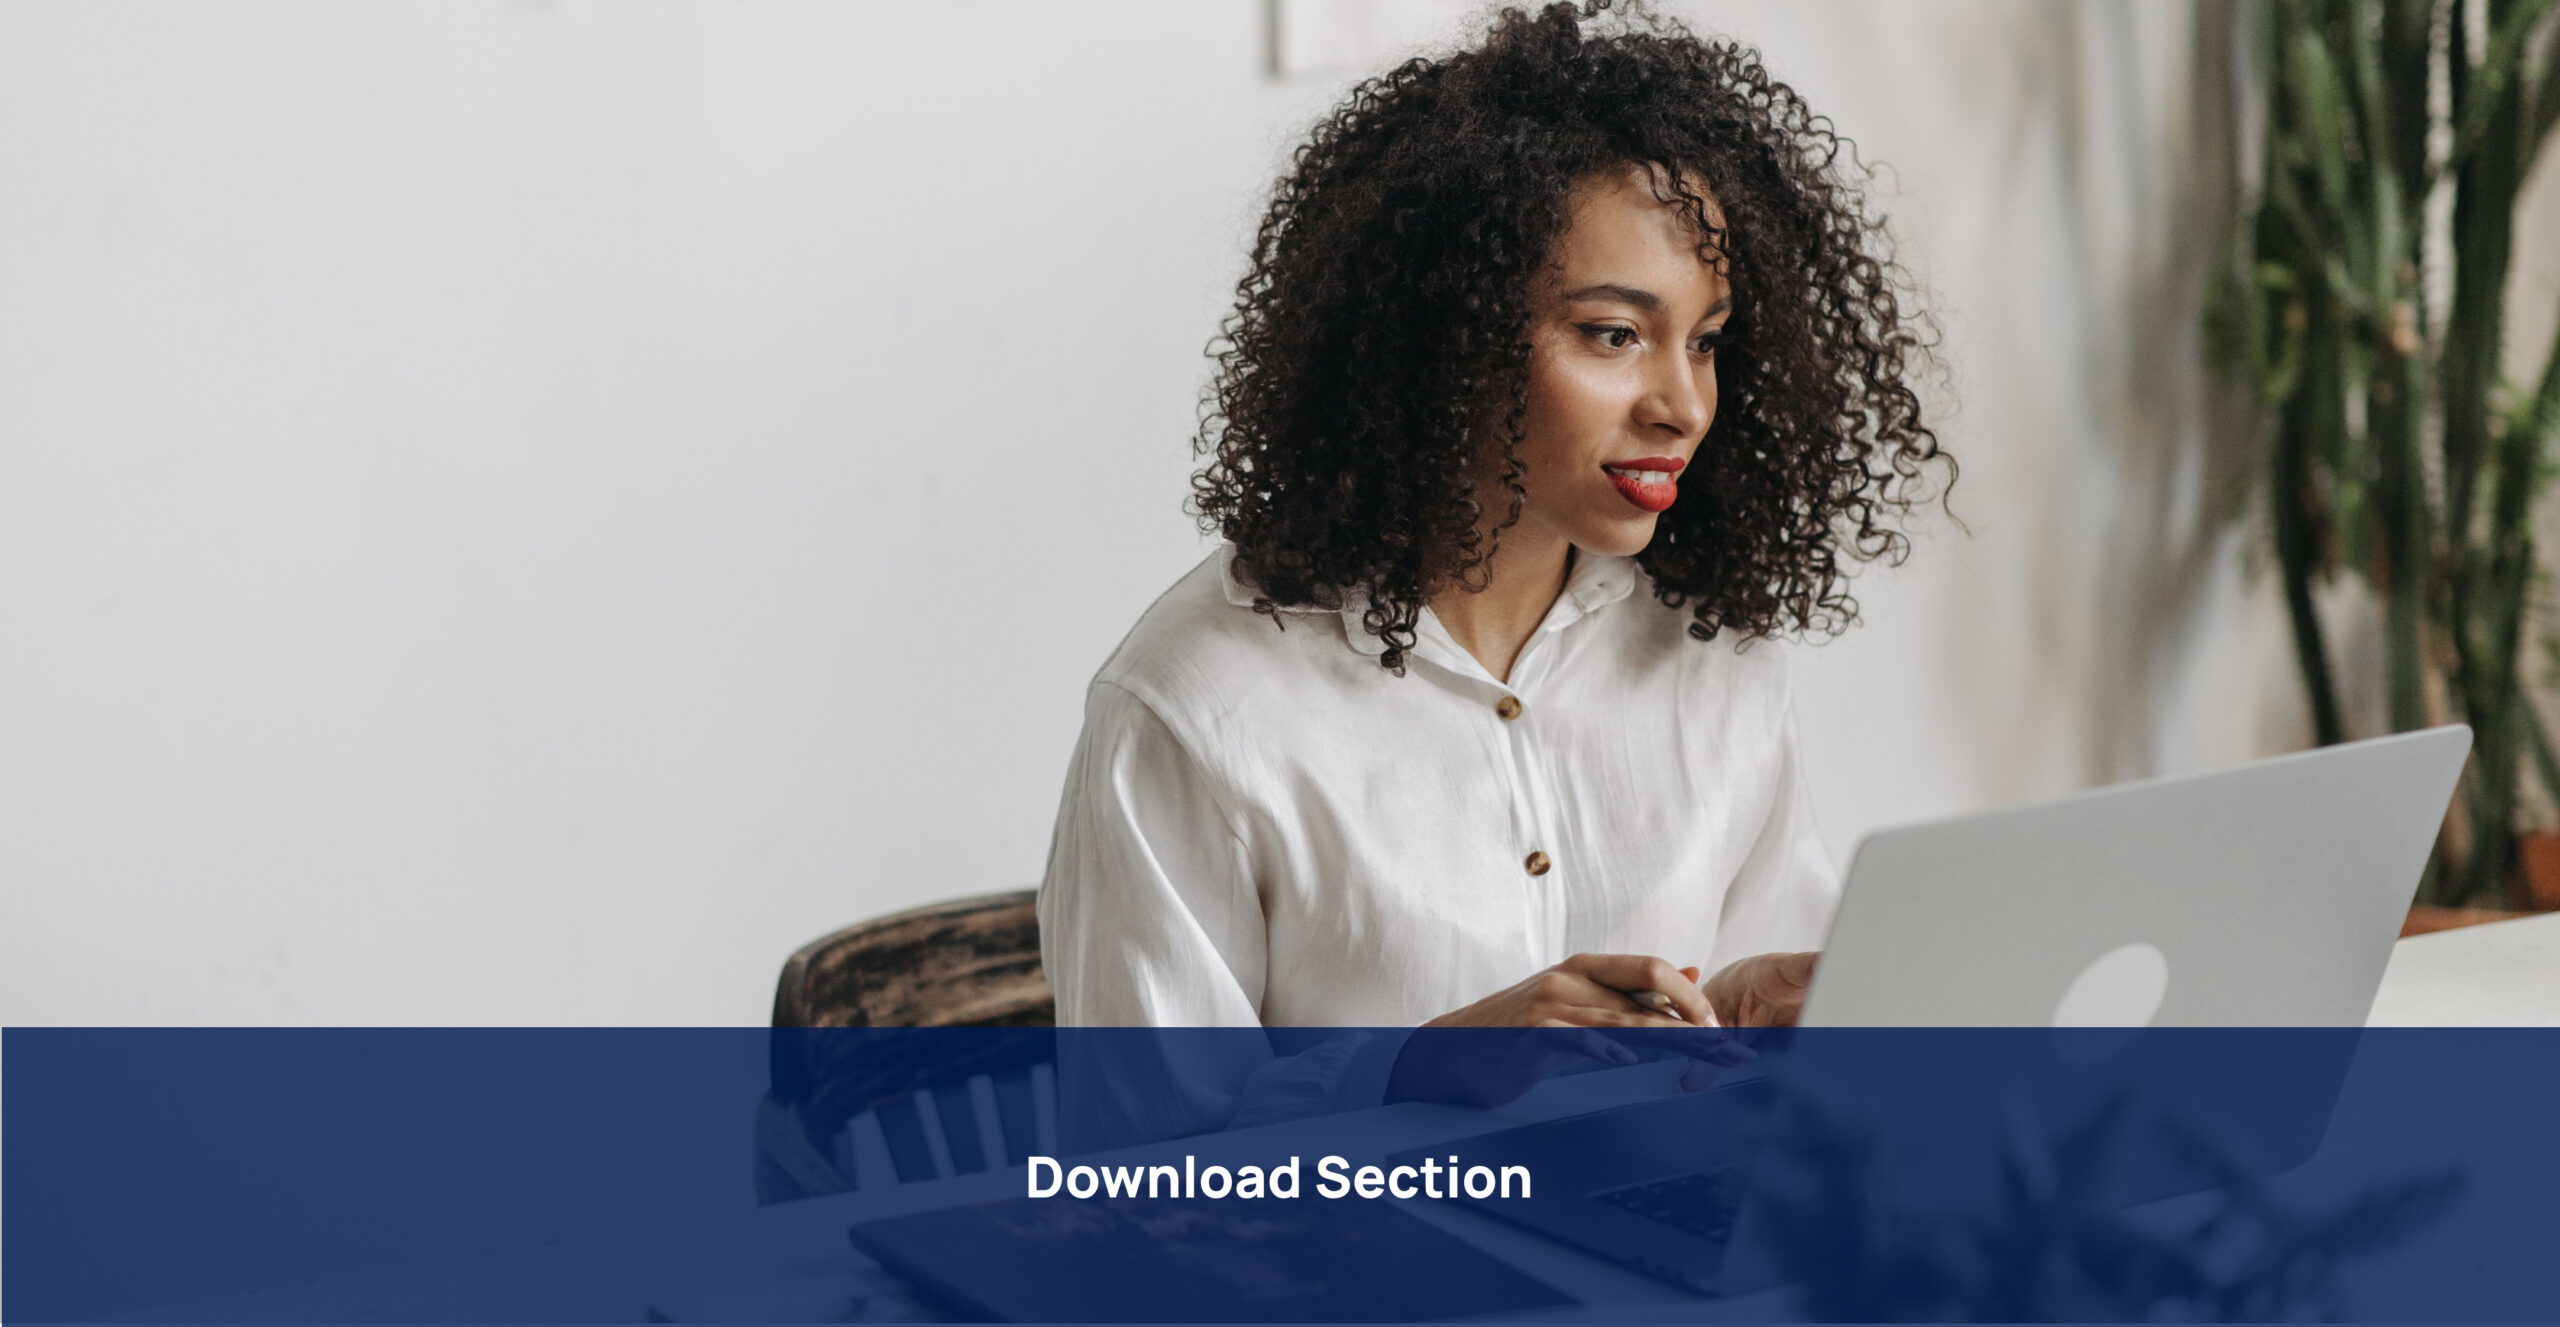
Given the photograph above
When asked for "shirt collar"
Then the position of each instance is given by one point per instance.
(1595, 583)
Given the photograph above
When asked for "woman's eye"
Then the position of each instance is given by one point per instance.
(1616, 338)
(1711, 342)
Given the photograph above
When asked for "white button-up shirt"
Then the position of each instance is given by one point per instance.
(1261, 825)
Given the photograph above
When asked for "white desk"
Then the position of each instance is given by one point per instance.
(2503, 974)
(761, 1262)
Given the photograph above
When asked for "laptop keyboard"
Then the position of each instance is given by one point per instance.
(1702, 1204)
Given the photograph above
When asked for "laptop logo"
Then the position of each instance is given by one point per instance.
(2111, 1000)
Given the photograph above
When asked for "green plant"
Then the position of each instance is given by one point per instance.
(2396, 453)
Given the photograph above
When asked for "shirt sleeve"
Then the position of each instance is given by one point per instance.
(1149, 918)
(1783, 898)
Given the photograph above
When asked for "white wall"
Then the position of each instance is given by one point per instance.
(525, 512)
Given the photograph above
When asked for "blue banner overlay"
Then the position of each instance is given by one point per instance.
(1317, 1175)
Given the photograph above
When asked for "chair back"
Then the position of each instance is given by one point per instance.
(972, 962)
(967, 963)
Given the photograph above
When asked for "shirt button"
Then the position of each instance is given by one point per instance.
(1537, 863)
(1508, 707)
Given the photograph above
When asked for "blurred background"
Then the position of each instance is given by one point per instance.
(525, 511)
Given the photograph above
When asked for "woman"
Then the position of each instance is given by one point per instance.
(1566, 367)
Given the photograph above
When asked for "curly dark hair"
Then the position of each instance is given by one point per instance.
(1385, 313)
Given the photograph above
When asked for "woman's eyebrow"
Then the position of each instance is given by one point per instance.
(1642, 299)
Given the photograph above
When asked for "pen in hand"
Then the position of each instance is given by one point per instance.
(1654, 1001)
(1657, 1002)
(1705, 1061)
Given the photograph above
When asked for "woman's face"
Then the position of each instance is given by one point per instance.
(1622, 376)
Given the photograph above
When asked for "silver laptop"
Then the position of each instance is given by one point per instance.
(2267, 895)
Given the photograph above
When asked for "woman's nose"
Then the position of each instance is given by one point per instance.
(1675, 400)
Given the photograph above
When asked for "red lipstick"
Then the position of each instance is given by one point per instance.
(1647, 482)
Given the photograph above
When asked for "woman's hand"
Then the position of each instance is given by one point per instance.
(1589, 990)
(1762, 991)
(1555, 1020)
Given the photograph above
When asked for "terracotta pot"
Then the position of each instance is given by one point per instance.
(2538, 860)
(2425, 918)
